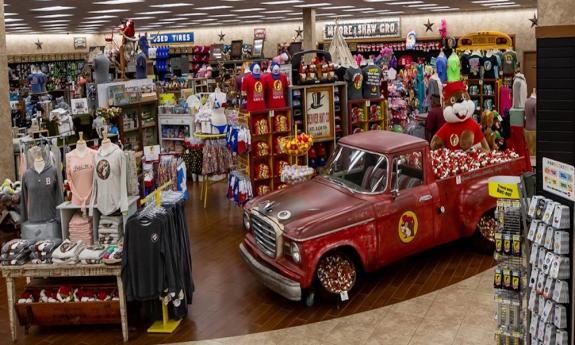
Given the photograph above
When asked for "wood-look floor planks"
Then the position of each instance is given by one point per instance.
(229, 301)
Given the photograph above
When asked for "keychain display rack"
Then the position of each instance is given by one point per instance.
(511, 253)
(549, 298)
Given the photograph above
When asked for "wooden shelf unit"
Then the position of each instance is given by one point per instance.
(145, 133)
(248, 162)
(366, 115)
(482, 96)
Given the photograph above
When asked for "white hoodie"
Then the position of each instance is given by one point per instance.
(110, 184)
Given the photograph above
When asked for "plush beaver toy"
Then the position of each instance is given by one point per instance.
(460, 132)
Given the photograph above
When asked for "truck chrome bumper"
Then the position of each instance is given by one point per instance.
(273, 280)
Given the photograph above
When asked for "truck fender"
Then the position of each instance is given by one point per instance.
(474, 202)
(347, 246)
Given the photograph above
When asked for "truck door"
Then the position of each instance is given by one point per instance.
(409, 221)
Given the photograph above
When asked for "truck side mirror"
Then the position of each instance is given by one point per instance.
(397, 168)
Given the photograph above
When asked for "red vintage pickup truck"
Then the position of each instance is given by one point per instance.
(377, 202)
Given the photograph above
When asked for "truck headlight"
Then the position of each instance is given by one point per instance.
(294, 252)
(247, 222)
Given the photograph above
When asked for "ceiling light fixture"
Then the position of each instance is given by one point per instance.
(117, 2)
(52, 8)
(405, 3)
(321, 4)
(214, 7)
(112, 10)
(359, 9)
(153, 12)
(193, 14)
(282, 2)
(176, 4)
(249, 9)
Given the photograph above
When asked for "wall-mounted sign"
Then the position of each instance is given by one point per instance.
(389, 27)
(172, 38)
(319, 114)
(80, 43)
(259, 33)
(559, 178)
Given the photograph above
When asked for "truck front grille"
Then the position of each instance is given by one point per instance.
(264, 235)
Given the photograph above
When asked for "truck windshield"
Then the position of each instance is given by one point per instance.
(358, 170)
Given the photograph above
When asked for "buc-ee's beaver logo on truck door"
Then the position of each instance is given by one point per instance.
(407, 226)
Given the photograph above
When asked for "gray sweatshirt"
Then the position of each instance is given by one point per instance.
(40, 195)
(110, 186)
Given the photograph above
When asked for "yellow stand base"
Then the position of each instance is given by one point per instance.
(166, 325)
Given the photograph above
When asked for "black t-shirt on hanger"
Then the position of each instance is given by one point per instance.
(474, 66)
(464, 63)
(489, 65)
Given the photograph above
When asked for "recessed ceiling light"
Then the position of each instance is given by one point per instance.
(117, 2)
(359, 9)
(325, 14)
(321, 4)
(249, 9)
(205, 20)
(112, 10)
(153, 12)
(342, 15)
(10, 20)
(445, 10)
(55, 21)
(422, 5)
(193, 14)
(100, 17)
(487, 1)
(282, 2)
(252, 21)
(9, 25)
(505, 6)
(231, 21)
(248, 17)
(500, 3)
(377, 0)
(176, 4)
(405, 2)
(95, 21)
(223, 15)
(274, 18)
(52, 8)
(143, 18)
(8, 14)
(214, 7)
(172, 19)
(340, 7)
(293, 14)
(277, 11)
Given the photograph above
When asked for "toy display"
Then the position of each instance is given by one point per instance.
(460, 131)
(297, 145)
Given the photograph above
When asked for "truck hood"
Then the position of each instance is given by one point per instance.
(309, 208)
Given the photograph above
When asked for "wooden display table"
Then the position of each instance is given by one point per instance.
(50, 271)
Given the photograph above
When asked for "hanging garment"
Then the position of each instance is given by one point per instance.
(110, 187)
(453, 68)
(505, 101)
(519, 91)
(40, 195)
(80, 175)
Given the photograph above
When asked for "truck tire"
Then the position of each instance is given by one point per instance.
(483, 239)
(337, 272)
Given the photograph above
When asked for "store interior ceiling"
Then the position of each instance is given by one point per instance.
(100, 16)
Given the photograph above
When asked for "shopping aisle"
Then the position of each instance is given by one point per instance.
(229, 301)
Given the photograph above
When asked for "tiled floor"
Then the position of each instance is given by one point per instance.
(460, 314)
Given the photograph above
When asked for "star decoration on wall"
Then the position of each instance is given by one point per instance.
(38, 44)
(299, 33)
(428, 26)
(221, 35)
(533, 20)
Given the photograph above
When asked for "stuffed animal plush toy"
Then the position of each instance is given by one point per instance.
(460, 132)
(64, 294)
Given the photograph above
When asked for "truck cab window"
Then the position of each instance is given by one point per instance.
(411, 170)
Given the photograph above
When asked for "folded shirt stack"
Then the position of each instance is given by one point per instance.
(92, 255)
(109, 230)
(41, 251)
(80, 229)
(67, 252)
(15, 252)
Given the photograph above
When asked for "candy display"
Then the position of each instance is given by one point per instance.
(293, 174)
(448, 163)
(296, 146)
(336, 274)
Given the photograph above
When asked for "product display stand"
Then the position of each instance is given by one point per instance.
(511, 249)
(47, 271)
(138, 124)
(264, 163)
(165, 325)
(206, 178)
(366, 115)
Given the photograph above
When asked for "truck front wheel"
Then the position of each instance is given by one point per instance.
(337, 273)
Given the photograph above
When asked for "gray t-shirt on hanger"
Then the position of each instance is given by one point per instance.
(101, 69)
